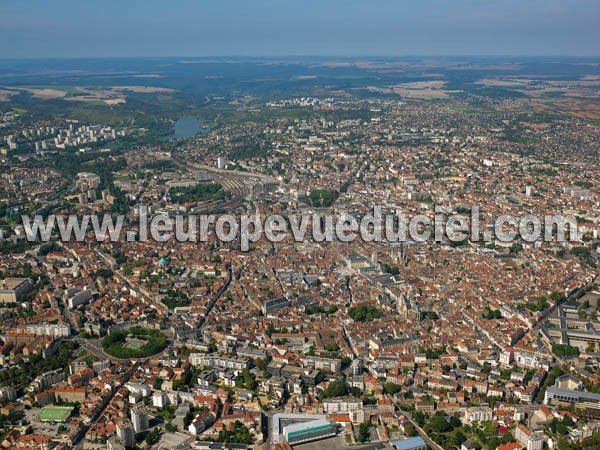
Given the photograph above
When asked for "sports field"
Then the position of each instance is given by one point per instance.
(135, 344)
(55, 413)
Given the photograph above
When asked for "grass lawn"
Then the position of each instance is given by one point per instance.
(55, 413)
(135, 344)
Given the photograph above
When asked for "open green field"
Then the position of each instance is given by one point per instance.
(69, 90)
(467, 109)
(135, 344)
(55, 413)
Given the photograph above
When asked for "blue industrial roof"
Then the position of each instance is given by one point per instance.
(409, 443)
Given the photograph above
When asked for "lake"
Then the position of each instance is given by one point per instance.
(185, 127)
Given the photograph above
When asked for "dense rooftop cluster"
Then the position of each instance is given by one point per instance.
(476, 344)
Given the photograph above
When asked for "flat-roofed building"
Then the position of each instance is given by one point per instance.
(126, 433)
(314, 430)
(281, 422)
(218, 362)
(411, 443)
(139, 418)
(79, 298)
(274, 304)
(568, 397)
(341, 405)
(14, 289)
(330, 364)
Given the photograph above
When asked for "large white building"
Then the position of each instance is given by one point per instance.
(49, 329)
(139, 418)
(298, 433)
(532, 440)
(299, 428)
(218, 362)
(126, 433)
(341, 405)
(138, 388)
(8, 394)
(569, 397)
(330, 364)
(159, 399)
(201, 422)
(79, 298)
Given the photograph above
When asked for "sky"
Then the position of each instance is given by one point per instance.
(134, 28)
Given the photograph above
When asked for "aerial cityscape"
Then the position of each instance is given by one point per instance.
(276, 251)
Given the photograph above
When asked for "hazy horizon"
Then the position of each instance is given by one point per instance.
(275, 28)
(291, 57)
